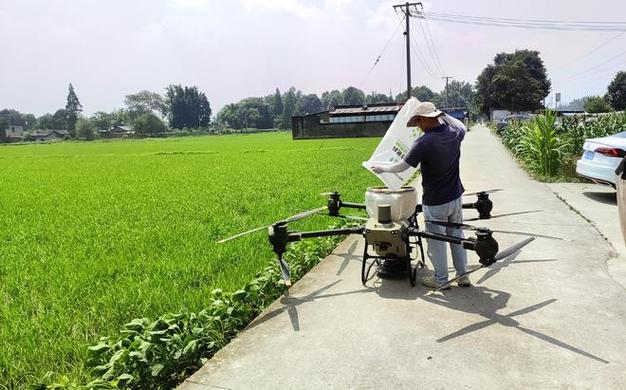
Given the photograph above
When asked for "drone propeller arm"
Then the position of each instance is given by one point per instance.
(467, 244)
(297, 236)
(353, 205)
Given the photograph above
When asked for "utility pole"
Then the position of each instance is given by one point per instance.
(447, 78)
(407, 13)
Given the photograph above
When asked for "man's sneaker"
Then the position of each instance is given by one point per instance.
(464, 282)
(431, 282)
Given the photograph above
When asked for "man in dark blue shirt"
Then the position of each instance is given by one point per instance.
(438, 152)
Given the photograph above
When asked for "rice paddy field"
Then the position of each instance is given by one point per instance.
(95, 234)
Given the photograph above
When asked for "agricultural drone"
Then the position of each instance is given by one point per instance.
(392, 232)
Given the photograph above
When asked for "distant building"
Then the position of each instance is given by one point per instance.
(49, 135)
(459, 113)
(14, 132)
(118, 131)
(346, 121)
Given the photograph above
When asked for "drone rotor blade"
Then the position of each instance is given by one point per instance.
(513, 248)
(470, 227)
(284, 271)
(354, 217)
(506, 215)
(303, 215)
(242, 234)
(530, 234)
(483, 192)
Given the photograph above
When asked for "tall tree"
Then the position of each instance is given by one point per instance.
(188, 107)
(143, 102)
(102, 120)
(60, 120)
(516, 82)
(204, 118)
(331, 99)
(277, 106)
(376, 97)
(309, 104)
(289, 107)
(73, 108)
(421, 92)
(353, 96)
(616, 91)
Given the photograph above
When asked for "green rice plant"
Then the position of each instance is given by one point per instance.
(93, 235)
(540, 147)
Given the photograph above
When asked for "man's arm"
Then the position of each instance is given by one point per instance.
(400, 166)
(455, 124)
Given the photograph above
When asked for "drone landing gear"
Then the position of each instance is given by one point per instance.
(395, 267)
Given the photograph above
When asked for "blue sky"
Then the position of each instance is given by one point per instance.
(235, 49)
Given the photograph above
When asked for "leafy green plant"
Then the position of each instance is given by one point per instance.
(540, 146)
(550, 148)
(159, 354)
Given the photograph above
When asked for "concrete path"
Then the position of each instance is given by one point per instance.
(552, 317)
(598, 204)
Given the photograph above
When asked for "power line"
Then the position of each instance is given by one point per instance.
(594, 68)
(381, 53)
(430, 35)
(430, 48)
(527, 23)
(594, 49)
(422, 59)
(536, 21)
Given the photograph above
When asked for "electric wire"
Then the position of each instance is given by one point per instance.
(380, 55)
(421, 58)
(430, 36)
(430, 48)
(540, 21)
(527, 23)
(596, 68)
(593, 50)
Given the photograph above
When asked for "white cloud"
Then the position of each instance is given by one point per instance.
(185, 4)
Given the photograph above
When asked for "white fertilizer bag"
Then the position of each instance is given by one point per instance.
(395, 145)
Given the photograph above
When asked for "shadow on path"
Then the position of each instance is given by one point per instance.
(486, 303)
(602, 197)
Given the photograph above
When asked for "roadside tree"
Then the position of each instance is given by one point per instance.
(616, 91)
(515, 81)
(597, 104)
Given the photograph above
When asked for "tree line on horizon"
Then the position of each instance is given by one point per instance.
(514, 81)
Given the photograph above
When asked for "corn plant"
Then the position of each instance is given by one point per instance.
(540, 147)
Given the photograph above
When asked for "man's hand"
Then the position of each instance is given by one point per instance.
(377, 169)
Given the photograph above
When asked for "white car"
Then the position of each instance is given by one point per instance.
(621, 196)
(601, 156)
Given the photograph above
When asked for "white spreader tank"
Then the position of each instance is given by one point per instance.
(402, 201)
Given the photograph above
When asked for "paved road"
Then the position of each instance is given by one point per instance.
(552, 317)
(598, 204)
